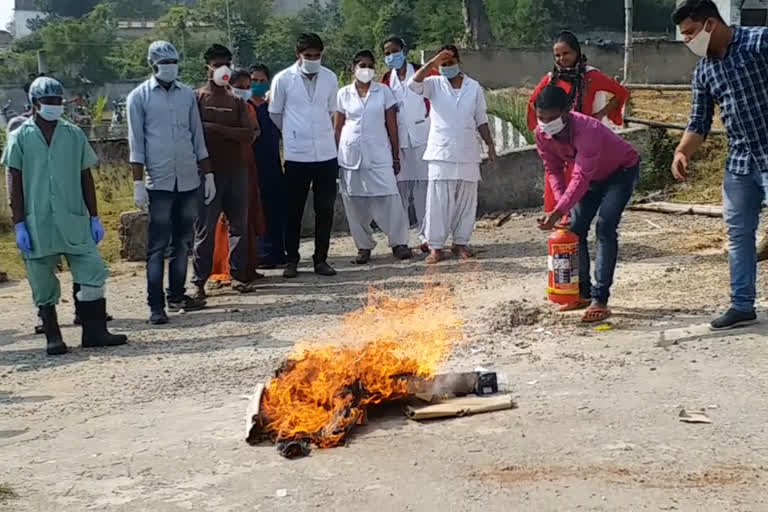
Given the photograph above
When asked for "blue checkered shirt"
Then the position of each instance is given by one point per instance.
(739, 84)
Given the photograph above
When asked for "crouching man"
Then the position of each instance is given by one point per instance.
(53, 200)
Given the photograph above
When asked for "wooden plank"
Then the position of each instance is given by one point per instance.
(679, 209)
(463, 406)
(668, 126)
(658, 87)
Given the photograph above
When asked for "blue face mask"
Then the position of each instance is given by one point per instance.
(395, 60)
(449, 71)
(259, 89)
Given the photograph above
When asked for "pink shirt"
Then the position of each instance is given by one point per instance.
(594, 149)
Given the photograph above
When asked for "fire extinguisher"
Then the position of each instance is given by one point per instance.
(563, 263)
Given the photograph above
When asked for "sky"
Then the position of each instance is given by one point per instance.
(6, 12)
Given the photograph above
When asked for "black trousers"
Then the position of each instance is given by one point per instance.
(321, 176)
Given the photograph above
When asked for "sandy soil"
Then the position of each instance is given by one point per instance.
(158, 424)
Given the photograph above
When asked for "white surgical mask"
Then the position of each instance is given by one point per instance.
(699, 45)
(244, 94)
(310, 67)
(167, 72)
(51, 112)
(221, 75)
(365, 75)
(553, 127)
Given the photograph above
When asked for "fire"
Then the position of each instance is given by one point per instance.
(323, 388)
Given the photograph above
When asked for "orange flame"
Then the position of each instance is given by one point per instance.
(323, 388)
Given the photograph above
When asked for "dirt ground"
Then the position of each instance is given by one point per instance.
(159, 424)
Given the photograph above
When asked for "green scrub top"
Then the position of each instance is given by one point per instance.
(57, 218)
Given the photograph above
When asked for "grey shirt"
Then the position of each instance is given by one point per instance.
(165, 135)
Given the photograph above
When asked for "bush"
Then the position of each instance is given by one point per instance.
(513, 108)
(656, 173)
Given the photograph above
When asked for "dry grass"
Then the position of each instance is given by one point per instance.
(707, 166)
(113, 186)
(6, 493)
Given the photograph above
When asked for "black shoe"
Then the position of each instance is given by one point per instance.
(733, 319)
(95, 334)
(54, 342)
(187, 303)
(291, 271)
(324, 269)
(363, 257)
(158, 318)
(402, 252)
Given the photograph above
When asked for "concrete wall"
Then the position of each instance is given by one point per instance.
(516, 182)
(658, 62)
(20, 19)
(114, 90)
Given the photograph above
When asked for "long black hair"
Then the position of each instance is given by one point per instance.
(574, 75)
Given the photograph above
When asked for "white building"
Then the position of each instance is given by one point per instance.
(291, 6)
(23, 11)
(740, 12)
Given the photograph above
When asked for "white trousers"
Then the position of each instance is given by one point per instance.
(451, 211)
(386, 211)
(416, 190)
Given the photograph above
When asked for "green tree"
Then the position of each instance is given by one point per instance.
(275, 47)
(184, 28)
(242, 21)
(83, 48)
(440, 22)
(140, 9)
(67, 8)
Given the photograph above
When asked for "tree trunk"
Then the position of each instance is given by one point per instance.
(478, 33)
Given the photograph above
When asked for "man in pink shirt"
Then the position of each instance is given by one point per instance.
(605, 171)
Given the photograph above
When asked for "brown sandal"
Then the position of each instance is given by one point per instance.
(463, 252)
(434, 257)
(575, 306)
(596, 314)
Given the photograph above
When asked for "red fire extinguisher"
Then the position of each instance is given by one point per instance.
(563, 263)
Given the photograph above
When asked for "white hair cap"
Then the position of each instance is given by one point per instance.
(161, 50)
(45, 87)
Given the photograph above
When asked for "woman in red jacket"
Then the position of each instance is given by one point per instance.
(589, 89)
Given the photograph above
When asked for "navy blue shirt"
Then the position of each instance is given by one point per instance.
(739, 84)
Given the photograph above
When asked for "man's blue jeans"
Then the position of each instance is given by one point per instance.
(171, 220)
(606, 200)
(742, 200)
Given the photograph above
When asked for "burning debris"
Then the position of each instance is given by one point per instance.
(388, 351)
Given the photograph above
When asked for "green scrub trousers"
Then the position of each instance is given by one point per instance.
(87, 269)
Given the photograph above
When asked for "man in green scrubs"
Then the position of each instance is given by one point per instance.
(53, 200)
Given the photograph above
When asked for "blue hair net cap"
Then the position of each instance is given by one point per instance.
(161, 50)
(45, 87)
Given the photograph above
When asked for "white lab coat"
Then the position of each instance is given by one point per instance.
(307, 127)
(413, 116)
(455, 116)
(365, 152)
(413, 127)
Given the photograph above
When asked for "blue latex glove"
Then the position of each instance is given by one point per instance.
(97, 230)
(23, 240)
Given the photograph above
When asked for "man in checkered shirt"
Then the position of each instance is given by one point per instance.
(733, 73)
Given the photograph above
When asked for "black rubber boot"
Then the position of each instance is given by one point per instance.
(95, 333)
(76, 320)
(39, 327)
(55, 343)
